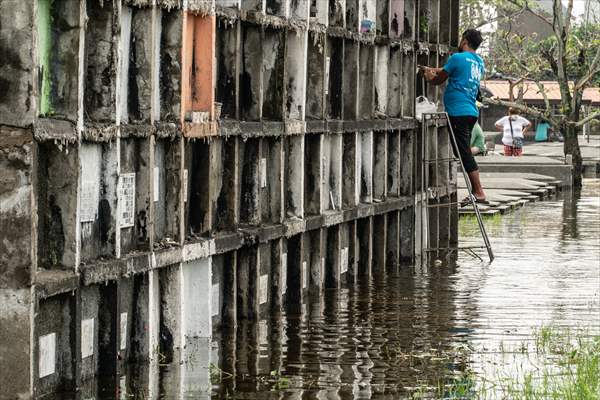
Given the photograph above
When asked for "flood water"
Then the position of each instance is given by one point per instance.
(389, 336)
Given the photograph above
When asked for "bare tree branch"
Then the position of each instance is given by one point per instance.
(587, 119)
(593, 70)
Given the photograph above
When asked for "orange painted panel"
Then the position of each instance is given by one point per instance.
(203, 92)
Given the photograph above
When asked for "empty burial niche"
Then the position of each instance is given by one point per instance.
(351, 80)
(407, 163)
(334, 77)
(383, 17)
(88, 331)
(444, 25)
(299, 9)
(166, 183)
(58, 32)
(409, 19)
(407, 232)
(395, 18)
(331, 186)
(98, 200)
(337, 12)
(275, 7)
(134, 195)
(170, 65)
(294, 176)
(249, 181)
(392, 246)
(366, 87)
(250, 73)
(408, 85)
(313, 174)
(351, 170)
(366, 166)
(253, 5)
(198, 67)
(316, 76)
(422, 86)
(423, 20)
(196, 188)
(223, 292)
(247, 282)
(57, 205)
(332, 256)
(364, 238)
(313, 264)
(271, 180)
(454, 20)
(273, 75)
(394, 85)
(382, 60)
(54, 352)
(319, 11)
(379, 241)
(101, 61)
(352, 15)
(136, 69)
(434, 20)
(223, 183)
(296, 74)
(296, 276)
(393, 163)
(380, 164)
(226, 54)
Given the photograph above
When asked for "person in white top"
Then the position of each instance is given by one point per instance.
(513, 127)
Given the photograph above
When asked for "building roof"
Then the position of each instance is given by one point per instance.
(531, 93)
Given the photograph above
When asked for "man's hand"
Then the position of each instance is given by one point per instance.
(429, 73)
(436, 76)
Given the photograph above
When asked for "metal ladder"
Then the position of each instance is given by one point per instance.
(426, 192)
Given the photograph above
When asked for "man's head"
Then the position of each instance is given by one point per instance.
(471, 40)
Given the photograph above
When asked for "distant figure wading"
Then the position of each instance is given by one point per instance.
(463, 71)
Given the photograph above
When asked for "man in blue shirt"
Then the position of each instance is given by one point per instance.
(463, 71)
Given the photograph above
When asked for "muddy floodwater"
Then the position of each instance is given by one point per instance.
(404, 332)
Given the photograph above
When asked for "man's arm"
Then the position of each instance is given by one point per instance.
(435, 76)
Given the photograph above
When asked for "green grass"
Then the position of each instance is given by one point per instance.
(561, 364)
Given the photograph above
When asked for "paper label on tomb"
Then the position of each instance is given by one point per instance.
(88, 202)
(123, 330)
(47, 350)
(123, 388)
(304, 275)
(126, 199)
(156, 184)
(87, 337)
(327, 62)
(344, 260)
(283, 273)
(185, 185)
(263, 288)
(263, 172)
(215, 306)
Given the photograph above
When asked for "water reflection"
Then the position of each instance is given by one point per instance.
(397, 331)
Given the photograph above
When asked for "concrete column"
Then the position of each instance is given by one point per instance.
(196, 299)
(294, 176)
(271, 180)
(314, 256)
(248, 284)
(382, 60)
(394, 85)
(408, 83)
(394, 162)
(313, 173)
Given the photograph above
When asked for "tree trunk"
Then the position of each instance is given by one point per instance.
(571, 146)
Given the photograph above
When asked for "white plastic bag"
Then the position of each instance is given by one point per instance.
(424, 106)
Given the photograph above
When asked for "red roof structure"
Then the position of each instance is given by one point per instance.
(531, 93)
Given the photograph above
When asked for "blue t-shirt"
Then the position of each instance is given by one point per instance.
(465, 71)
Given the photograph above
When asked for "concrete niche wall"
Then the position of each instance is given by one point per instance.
(313, 174)
(316, 74)
(296, 75)
(331, 182)
(58, 28)
(101, 61)
(166, 192)
(294, 176)
(224, 168)
(367, 86)
(271, 180)
(227, 67)
(134, 195)
(395, 82)
(273, 86)
(196, 190)
(98, 200)
(170, 65)
(334, 77)
(249, 182)
(382, 80)
(250, 73)
(58, 174)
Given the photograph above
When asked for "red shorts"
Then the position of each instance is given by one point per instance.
(513, 151)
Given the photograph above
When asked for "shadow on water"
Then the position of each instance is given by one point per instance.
(404, 330)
